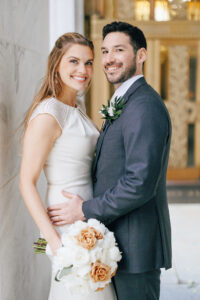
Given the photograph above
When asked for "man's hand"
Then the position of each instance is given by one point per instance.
(66, 213)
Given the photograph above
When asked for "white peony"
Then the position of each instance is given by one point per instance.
(101, 284)
(82, 271)
(80, 256)
(96, 254)
(113, 266)
(67, 240)
(109, 240)
(105, 256)
(63, 258)
(76, 227)
(114, 253)
(97, 225)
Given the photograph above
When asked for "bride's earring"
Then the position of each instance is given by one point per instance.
(56, 78)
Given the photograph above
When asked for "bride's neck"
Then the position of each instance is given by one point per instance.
(68, 96)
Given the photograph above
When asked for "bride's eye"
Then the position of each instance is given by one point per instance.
(73, 61)
(89, 63)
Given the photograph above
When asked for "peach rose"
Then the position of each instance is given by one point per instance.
(101, 289)
(87, 238)
(98, 234)
(100, 272)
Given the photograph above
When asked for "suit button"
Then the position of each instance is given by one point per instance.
(94, 179)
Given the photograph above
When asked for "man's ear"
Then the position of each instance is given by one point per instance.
(141, 55)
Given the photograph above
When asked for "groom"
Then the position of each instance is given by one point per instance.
(129, 171)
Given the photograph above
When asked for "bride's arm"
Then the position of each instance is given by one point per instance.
(39, 138)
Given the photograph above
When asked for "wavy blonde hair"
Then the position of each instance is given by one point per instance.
(51, 86)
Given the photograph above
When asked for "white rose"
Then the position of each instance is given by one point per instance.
(111, 111)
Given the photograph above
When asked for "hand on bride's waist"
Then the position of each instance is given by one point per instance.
(66, 213)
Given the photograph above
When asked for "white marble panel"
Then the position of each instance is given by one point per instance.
(23, 56)
(25, 23)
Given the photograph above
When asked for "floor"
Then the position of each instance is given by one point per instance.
(182, 282)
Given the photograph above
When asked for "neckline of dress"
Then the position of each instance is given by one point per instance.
(71, 107)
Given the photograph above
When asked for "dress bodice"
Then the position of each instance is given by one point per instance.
(68, 165)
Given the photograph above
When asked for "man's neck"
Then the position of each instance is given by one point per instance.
(117, 85)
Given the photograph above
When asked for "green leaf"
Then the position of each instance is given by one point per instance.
(119, 112)
(61, 273)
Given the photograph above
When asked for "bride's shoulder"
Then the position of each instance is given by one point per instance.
(53, 107)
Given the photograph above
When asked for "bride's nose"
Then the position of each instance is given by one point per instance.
(82, 68)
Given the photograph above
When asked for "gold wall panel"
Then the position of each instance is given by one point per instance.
(178, 98)
(178, 37)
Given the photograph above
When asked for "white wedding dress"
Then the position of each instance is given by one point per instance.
(68, 167)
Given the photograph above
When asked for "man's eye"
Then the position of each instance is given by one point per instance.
(119, 49)
(104, 52)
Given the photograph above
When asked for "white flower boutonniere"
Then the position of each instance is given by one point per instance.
(113, 110)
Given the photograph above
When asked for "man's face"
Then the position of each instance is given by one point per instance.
(118, 58)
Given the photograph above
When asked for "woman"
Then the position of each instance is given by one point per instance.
(60, 138)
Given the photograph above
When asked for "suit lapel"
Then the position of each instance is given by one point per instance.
(99, 143)
(105, 127)
(133, 88)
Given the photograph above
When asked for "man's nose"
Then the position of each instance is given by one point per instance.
(110, 58)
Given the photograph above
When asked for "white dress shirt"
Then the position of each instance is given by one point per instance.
(125, 86)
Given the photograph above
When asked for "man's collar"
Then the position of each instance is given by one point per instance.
(125, 86)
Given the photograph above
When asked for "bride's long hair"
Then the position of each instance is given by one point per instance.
(52, 86)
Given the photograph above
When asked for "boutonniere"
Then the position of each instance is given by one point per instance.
(113, 110)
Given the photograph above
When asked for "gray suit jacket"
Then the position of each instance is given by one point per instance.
(129, 175)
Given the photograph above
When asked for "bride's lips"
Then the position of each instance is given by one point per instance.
(81, 79)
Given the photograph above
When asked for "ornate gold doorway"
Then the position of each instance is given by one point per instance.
(173, 69)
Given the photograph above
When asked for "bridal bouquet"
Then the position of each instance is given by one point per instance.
(88, 257)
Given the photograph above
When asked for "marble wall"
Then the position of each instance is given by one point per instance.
(24, 45)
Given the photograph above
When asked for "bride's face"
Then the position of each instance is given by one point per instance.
(76, 67)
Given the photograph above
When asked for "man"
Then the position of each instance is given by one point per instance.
(129, 170)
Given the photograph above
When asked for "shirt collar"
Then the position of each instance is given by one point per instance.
(125, 86)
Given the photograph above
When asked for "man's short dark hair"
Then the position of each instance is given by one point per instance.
(136, 35)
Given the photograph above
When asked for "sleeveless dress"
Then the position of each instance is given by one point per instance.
(68, 167)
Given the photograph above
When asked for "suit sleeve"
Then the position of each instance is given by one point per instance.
(145, 130)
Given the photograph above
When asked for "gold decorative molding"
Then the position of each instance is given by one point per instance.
(179, 29)
(125, 9)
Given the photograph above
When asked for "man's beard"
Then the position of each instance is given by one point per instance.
(128, 73)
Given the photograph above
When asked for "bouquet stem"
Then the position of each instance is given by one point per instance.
(40, 246)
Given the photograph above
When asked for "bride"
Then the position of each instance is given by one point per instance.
(60, 138)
